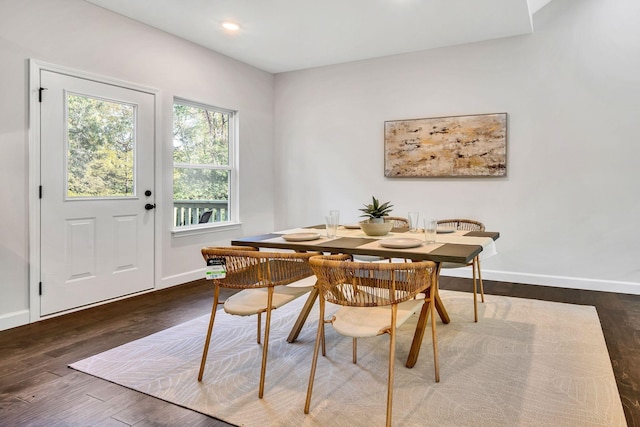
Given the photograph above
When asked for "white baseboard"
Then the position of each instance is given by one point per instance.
(12, 320)
(22, 317)
(179, 279)
(632, 288)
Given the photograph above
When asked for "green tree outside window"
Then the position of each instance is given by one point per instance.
(201, 156)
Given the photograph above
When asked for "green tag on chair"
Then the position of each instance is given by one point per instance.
(216, 269)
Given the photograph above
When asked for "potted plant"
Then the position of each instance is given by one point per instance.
(375, 225)
(376, 211)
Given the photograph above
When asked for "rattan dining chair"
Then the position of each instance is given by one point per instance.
(376, 298)
(262, 278)
(470, 225)
(398, 222)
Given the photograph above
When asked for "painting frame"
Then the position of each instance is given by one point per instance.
(446, 147)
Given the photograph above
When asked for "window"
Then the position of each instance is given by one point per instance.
(204, 172)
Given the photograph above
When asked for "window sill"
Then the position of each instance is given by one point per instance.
(208, 228)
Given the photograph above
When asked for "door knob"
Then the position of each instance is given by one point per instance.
(149, 206)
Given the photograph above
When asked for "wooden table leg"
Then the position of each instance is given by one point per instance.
(418, 335)
(304, 313)
(444, 316)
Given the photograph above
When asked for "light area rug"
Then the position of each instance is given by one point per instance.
(525, 363)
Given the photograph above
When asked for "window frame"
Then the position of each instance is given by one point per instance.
(233, 219)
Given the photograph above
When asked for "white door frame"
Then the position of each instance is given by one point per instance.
(35, 67)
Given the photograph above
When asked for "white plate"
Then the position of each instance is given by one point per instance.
(352, 226)
(444, 230)
(400, 243)
(300, 237)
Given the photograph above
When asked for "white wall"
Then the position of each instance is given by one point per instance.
(80, 35)
(567, 211)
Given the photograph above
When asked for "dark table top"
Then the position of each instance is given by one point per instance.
(445, 252)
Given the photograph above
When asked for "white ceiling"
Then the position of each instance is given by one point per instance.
(286, 35)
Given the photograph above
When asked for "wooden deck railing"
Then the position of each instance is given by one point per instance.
(188, 212)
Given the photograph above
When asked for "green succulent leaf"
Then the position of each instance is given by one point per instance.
(375, 209)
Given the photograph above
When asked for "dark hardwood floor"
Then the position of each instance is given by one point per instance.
(38, 389)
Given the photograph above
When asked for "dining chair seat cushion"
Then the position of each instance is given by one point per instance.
(368, 258)
(363, 322)
(307, 282)
(251, 301)
(453, 265)
(373, 258)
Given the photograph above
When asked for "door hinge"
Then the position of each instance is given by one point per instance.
(40, 192)
(40, 93)
(40, 288)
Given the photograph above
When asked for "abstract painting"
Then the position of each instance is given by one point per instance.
(458, 146)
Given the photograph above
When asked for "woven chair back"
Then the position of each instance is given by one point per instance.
(462, 224)
(363, 284)
(398, 222)
(248, 268)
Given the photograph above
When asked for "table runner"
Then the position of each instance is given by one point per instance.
(457, 237)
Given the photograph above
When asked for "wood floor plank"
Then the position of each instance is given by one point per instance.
(135, 414)
(111, 422)
(89, 410)
(107, 391)
(9, 408)
(164, 414)
(47, 403)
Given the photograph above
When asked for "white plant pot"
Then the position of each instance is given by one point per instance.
(376, 229)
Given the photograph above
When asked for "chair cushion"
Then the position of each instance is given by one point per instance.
(453, 265)
(252, 301)
(361, 322)
(307, 282)
(368, 258)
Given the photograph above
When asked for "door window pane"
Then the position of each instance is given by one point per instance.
(101, 142)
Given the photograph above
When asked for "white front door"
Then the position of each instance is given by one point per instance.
(97, 191)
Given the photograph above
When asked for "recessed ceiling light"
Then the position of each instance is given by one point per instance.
(231, 26)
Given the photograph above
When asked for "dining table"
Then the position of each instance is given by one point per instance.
(451, 246)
